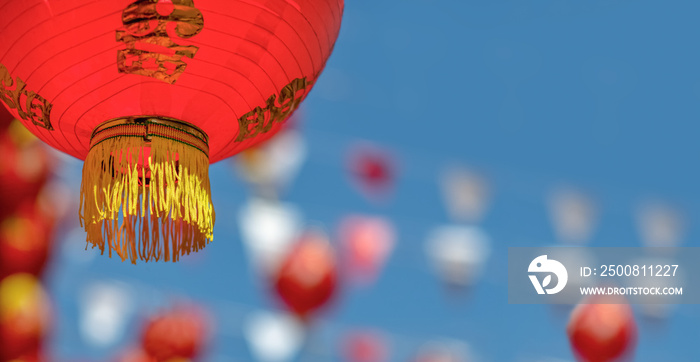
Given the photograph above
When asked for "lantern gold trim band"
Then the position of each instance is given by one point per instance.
(145, 190)
(148, 127)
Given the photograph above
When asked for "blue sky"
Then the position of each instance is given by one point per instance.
(602, 95)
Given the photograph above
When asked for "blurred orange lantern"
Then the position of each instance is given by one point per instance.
(178, 334)
(367, 243)
(602, 332)
(150, 92)
(24, 243)
(24, 316)
(307, 277)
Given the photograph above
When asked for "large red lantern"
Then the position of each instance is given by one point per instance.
(602, 332)
(307, 278)
(150, 92)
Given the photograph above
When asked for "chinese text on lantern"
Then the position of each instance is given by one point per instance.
(30, 106)
(148, 32)
(277, 109)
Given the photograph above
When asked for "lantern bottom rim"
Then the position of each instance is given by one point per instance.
(149, 127)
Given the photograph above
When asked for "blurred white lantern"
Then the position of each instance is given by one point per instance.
(268, 229)
(274, 337)
(274, 164)
(466, 194)
(105, 309)
(660, 225)
(458, 253)
(573, 215)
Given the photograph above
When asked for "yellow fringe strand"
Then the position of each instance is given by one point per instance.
(146, 199)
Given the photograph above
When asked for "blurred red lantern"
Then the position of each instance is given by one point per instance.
(24, 243)
(365, 346)
(149, 92)
(372, 170)
(307, 277)
(24, 167)
(602, 332)
(24, 316)
(33, 356)
(180, 333)
(367, 243)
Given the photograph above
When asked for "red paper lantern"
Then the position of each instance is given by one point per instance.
(602, 332)
(306, 280)
(24, 316)
(177, 334)
(149, 92)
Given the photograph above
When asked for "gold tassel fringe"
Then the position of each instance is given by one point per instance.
(146, 194)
